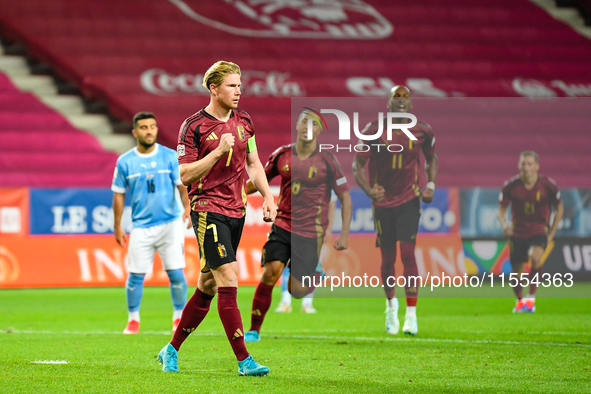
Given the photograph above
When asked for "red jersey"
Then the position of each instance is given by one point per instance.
(397, 172)
(530, 209)
(222, 189)
(305, 189)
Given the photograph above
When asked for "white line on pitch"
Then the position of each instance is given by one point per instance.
(49, 362)
(322, 337)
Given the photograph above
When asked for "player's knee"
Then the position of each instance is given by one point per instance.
(135, 279)
(176, 276)
(271, 273)
(536, 262)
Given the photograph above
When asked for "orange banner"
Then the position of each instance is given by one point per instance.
(14, 208)
(73, 261)
(435, 254)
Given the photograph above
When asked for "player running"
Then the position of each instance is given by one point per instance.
(151, 173)
(532, 197)
(216, 149)
(307, 177)
(393, 186)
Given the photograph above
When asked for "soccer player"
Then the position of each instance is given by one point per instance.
(307, 302)
(151, 173)
(393, 186)
(307, 177)
(532, 197)
(216, 149)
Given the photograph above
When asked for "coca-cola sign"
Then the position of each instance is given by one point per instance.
(254, 83)
(336, 19)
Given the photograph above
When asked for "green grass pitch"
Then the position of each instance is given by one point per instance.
(463, 345)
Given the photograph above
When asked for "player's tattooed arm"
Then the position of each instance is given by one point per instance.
(256, 172)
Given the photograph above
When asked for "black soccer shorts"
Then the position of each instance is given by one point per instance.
(302, 253)
(400, 223)
(218, 237)
(519, 247)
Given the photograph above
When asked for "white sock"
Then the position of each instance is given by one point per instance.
(134, 316)
(411, 311)
(531, 297)
(307, 301)
(392, 302)
(285, 298)
(177, 314)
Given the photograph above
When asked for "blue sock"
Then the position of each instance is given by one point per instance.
(134, 290)
(178, 288)
(285, 279)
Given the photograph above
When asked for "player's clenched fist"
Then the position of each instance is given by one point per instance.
(226, 142)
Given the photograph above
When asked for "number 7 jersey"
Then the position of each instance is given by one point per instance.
(222, 189)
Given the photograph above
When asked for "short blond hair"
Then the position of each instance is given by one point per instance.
(218, 72)
(529, 153)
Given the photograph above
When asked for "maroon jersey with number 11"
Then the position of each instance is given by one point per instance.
(305, 189)
(397, 172)
(530, 209)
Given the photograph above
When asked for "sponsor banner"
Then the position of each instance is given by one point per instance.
(570, 255)
(440, 216)
(90, 211)
(14, 209)
(479, 207)
(435, 254)
(563, 255)
(93, 260)
(75, 211)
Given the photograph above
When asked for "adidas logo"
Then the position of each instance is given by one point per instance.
(256, 312)
(285, 168)
(238, 334)
(189, 330)
(212, 137)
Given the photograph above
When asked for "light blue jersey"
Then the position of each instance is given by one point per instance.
(152, 180)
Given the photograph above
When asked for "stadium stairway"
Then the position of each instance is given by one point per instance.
(39, 147)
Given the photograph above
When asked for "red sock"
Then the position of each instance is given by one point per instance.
(532, 276)
(195, 311)
(411, 272)
(232, 321)
(260, 305)
(387, 269)
(518, 291)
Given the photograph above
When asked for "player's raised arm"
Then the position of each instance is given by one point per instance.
(258, 177)
(342, 242)
(192, 172)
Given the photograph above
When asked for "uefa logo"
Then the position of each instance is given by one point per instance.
(332, 19)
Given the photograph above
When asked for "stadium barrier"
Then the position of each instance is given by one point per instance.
(63, 238)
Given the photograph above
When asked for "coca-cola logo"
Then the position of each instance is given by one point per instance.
(254, 83)
(317, 19)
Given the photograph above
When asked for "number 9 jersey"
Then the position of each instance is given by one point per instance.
(222, 189)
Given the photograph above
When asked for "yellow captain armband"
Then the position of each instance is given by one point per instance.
(252, 145)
